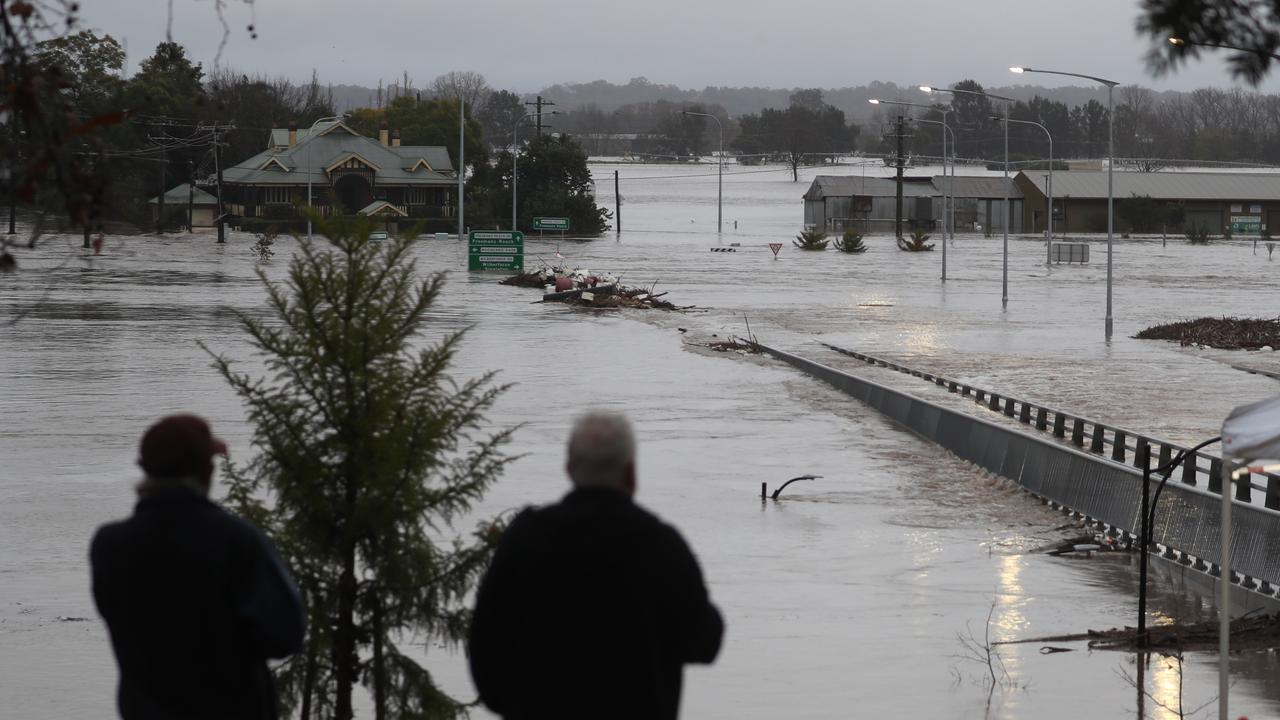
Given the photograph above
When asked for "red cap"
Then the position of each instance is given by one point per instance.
(177, 446)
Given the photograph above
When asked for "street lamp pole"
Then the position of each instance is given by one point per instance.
(1111, 161)
(720, 185)
(515, 156)
(1049, 248)
(1004, 273)
(310, 136)
(949, 212)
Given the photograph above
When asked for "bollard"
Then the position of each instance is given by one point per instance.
(1117, 445)
(993, 401)
(1025, 416)
(1190, 469)
(1041, 418)
(1244, 488)
(1166, 454)
(1008, 406)
(1077, 432)
(1215, 475)
(1058, 425)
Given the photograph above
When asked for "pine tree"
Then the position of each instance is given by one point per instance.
(367, 451)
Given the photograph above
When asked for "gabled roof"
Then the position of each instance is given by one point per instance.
(179, 194)
(1168, 185)
(351, 156)
(382, 207)
(979, 186)
(971, 186)
(313, 154)
(825, 186)
(275, 161)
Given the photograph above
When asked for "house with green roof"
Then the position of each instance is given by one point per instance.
(350, 174)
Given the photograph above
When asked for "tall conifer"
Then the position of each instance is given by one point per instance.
(366, 453)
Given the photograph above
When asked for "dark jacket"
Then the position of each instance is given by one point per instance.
(196, 600)
(590, 609)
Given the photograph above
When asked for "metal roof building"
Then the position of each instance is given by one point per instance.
(1246, 202)
(868, 204)
(348, 173)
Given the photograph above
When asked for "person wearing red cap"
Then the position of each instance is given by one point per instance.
(195, 599)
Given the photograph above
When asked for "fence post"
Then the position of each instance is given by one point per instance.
(1190, 468)
(1041, 418)
(1143, 446)
(1025, 416)
(1117, 445)
(1096, 443)
(1215, 475)
(1273, 492)
(1059, 422)
(1077, 432)
(1244, 488)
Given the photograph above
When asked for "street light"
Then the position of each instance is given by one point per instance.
(949, 212)
(1004, 276)
(1111, 136)
(720, 183)
(515, 156)
(1049, 244)
(310, 136)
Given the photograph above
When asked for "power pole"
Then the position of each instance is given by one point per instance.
(617, 205)
(191, 196)
(217, 163)
(13, 178)
(462, 166)
(898, 164)
(164, 162)
(538, 105)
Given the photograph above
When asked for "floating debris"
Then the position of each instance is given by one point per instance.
(733, 345)
(1247, 632)
(1226, 333)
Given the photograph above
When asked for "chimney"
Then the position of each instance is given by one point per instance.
(382, 135)
(293, 133)
(395, 138)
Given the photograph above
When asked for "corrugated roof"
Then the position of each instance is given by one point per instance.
(1163, 185)
(179, 194)
(313, 154)
(970, 186)
(966, 187)
(848, 185)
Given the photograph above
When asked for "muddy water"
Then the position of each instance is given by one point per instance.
(850, 597)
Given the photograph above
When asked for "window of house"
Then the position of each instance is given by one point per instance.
(416, 196)
(275, 195)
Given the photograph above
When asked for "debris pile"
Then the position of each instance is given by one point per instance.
(580, 287)
(734, 345)
(1247, 632)
(1226, 333)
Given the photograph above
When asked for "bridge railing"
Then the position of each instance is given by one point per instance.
(1112, 441)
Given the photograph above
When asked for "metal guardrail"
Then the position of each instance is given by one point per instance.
(1105, 492)
(1117, 443)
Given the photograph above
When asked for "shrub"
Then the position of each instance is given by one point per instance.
(1198, 235)
(850, 242)
(811, 240)
(267, 238)
(917, 243)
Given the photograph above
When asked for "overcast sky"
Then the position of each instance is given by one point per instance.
(525, 45)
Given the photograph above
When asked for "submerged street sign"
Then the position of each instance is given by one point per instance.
(550, 223)
(495, 250)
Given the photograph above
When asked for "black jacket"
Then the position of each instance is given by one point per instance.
(590, 609)
(196, 600)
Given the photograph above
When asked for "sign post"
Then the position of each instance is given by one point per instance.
(551, 223)
(495, 250)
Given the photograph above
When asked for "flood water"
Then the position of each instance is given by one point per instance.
(849, 598)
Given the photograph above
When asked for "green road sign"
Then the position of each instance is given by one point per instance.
(1246, 224)
(495, 250)
(550, 223)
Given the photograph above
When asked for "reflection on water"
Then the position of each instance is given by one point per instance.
(844, 598)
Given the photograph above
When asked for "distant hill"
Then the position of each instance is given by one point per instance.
(737, 101)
